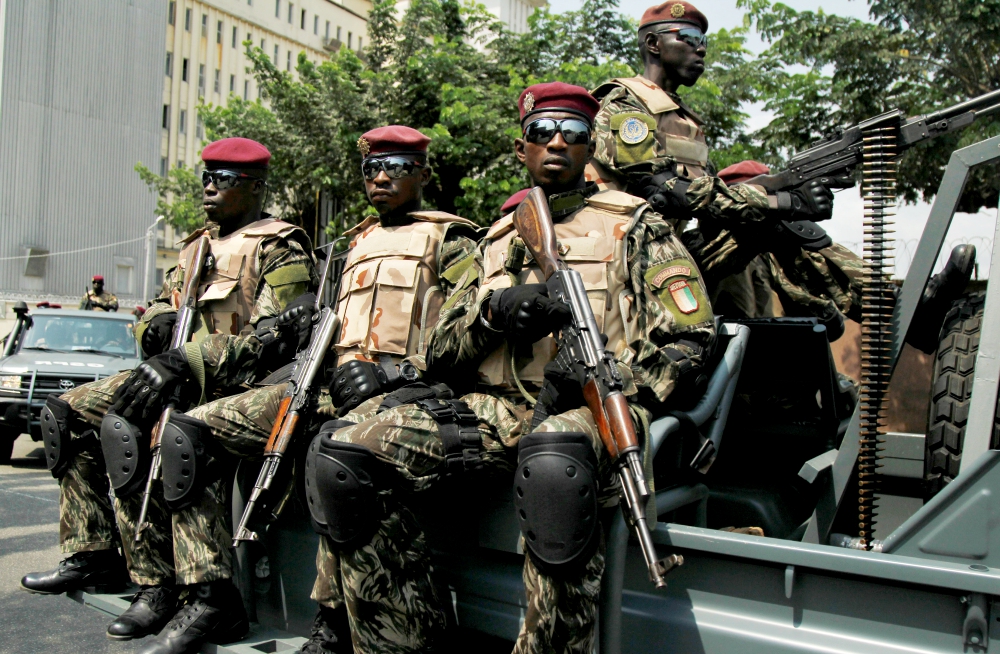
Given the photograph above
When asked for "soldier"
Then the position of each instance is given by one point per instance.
(261, 265)
(496, 331)
(390, 294)
(97, 299)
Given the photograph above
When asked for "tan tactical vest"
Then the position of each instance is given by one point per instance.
(227, 293)
(676, 129)
(592, 241)
(389, 292)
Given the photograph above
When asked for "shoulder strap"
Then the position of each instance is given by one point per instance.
(651, 95)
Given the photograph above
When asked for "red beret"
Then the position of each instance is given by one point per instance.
(236, 152)
(392, 139)
(674, 11)
(97, 278)
(513, 201)
(558, 96)
(742, 171)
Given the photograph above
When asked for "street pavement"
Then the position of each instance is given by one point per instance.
(29, 541)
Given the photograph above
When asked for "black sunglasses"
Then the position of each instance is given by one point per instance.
(223, 179)
(693, 36)
(543, 130)
(394, 167)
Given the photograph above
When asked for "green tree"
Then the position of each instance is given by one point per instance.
(179, 196)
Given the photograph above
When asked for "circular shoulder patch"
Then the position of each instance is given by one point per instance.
(633, 131)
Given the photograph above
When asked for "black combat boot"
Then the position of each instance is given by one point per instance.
(151, 608)
(942, 290)
(103, 570)
(212, 612)
(331, 633)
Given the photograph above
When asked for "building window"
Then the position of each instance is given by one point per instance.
(262, 44)
(275, 54)
(204, 26)
(184, 70)
(316, 25)
(291, 12)
(232, 83)
(218, 32)
(124, 268)
(350, 38)
(288, 61)
(277, 8)
(170, 64)
(302, 21)
(180, 163)
(218, 80)
(166, 116)
(182, 122)
(359, 43)
(234, 36)
(159, 272)
(172, 13)
(327, 29)
(201, 79)
(246, 90)
(338, 32)
(199, 131)
(187, 20)
(163, 166)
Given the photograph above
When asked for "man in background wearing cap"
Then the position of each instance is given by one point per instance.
(495, 339)
(258, 267)
(391, 291)
(97, 299)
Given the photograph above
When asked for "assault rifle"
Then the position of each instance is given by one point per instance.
(299, 399)
(835, 157)
(186, 313)
(597, 371)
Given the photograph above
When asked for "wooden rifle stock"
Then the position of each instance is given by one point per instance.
(284, 428)
(533, 222)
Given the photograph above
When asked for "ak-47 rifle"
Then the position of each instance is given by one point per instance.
(581, 343)
(183, 328)
(89, 304)
(299, 398)
(832, 159)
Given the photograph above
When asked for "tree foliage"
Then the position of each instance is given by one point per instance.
(179, 196)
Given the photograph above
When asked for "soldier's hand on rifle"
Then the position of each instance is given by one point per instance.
(151, 385)
(159, 332)
(811, 201)
(526, 312)
(355, 381)
(281, 337)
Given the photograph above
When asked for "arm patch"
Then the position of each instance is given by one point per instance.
(634, 138)
(679, 288)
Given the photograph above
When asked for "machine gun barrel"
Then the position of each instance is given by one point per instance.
(183, 329)
(301, 391)
(600, 378)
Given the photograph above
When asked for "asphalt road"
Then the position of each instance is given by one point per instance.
(29, 540)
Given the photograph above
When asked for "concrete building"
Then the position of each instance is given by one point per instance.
(205, 62)
(514, 13)
(79, 107)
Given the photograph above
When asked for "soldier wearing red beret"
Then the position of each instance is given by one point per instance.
(97, 299)
(257, 271)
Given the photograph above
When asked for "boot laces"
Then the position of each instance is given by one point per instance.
(152, 594)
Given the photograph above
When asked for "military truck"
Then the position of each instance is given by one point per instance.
(787, 435)
(54, 350)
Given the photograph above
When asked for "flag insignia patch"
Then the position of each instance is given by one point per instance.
(683, 297)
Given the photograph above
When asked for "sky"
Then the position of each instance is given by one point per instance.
(846, 225)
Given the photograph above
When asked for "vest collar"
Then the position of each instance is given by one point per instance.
(565, 203)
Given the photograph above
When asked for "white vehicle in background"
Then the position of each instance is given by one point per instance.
(52, 351)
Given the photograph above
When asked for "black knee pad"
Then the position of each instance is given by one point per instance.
(56, 435)
(347, 480)
(126, 455)
(313, 500)
(555, 495)
(184, 460)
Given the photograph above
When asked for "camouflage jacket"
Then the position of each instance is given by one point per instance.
(661, 334)
(103, 302)
(284, 262)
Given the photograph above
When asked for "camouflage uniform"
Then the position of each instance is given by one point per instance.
(103, 302)
(630, 260)
(733, 223)
(286, 269)
(240, 425)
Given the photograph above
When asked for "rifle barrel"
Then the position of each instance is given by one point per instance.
(987, 100)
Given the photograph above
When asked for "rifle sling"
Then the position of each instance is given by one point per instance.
(459, 429)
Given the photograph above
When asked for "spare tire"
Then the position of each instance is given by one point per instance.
(951, 392)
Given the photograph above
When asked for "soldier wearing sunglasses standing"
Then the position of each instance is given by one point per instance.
(258, 267)
(495, 337)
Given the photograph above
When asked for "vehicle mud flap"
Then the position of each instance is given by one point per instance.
(312, 498)
(56, 437)
(555, 496)
(347, 481)
(126, 455)
(184, 461)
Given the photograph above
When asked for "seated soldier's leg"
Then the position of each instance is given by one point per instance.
(566, 459)
(86, 518)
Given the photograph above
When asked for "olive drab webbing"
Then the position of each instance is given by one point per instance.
(389, 294)
(592, 241)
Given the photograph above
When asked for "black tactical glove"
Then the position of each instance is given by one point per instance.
(159, 332)
(526, 312)
(811, 201)
(666, 199)
(356, 381)
(281, 337)
(151, 385)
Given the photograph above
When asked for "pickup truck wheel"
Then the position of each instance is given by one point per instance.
(951, 391)
(7, 439)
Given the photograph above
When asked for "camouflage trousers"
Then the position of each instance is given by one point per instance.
(561, 613)
(86, 517)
